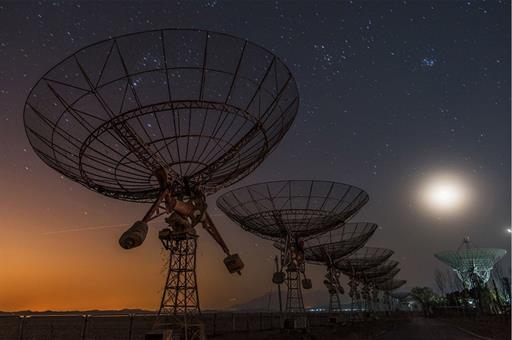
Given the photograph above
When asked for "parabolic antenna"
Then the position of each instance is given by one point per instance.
(363, 259)
(370, 282)
(290, 212)
(294, 208)
(167, 117)
(383, 277)
(378, 272)
(387, 287)
(368, 267)
(390, 285)
(471, 263)
(400, 295)
(332, 245)
(205, 106)
(327, 247)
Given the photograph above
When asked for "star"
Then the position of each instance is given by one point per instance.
(428, 62)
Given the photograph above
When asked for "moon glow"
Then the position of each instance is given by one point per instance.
(444, 194)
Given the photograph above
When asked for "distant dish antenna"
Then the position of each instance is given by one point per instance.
(290, 212)
(371, 278)
(363, 259)
(391, 285)
(325, 248)
(378, 274)
(374, 276)
(355, 264)
(472, 265)
(164, 117)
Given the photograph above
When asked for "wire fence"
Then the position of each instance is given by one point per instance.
(135, 326)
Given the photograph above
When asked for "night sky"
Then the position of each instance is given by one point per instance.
(391, 93)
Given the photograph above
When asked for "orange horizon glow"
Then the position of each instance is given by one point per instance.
(45, 269)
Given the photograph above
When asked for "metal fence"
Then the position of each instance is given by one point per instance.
(133, 326)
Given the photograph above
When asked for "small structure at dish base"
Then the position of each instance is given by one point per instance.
(288, 213)
(165, 117)
(325, 248)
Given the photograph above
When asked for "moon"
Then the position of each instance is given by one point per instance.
(444, 194)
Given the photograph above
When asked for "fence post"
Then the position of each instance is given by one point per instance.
(214, 323)
(84, 327)
(51, 331)
(130, 327)
(233, 322)
(20, 327)
(247, 318)
(261, 321)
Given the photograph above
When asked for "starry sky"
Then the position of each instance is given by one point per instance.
(392, 92)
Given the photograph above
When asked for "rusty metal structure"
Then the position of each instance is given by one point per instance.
(165, 117)
(370, 278)
(328, 247)
(289, 213)
(387, 287)
(360, 261)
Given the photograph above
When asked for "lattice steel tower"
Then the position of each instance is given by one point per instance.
(180, 291)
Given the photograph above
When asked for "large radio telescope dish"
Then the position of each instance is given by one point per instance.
(334, 244)
(363, 259)
(390, 285)
(468, 262)
(327, 247)
(289, 212)
(294, 208)
(383, 277)
(207, 107)
(379, 271)
(165, 116)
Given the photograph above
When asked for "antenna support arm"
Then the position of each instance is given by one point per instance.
(212, 230)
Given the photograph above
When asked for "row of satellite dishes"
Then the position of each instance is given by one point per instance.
(308, 222)
(170, 116)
